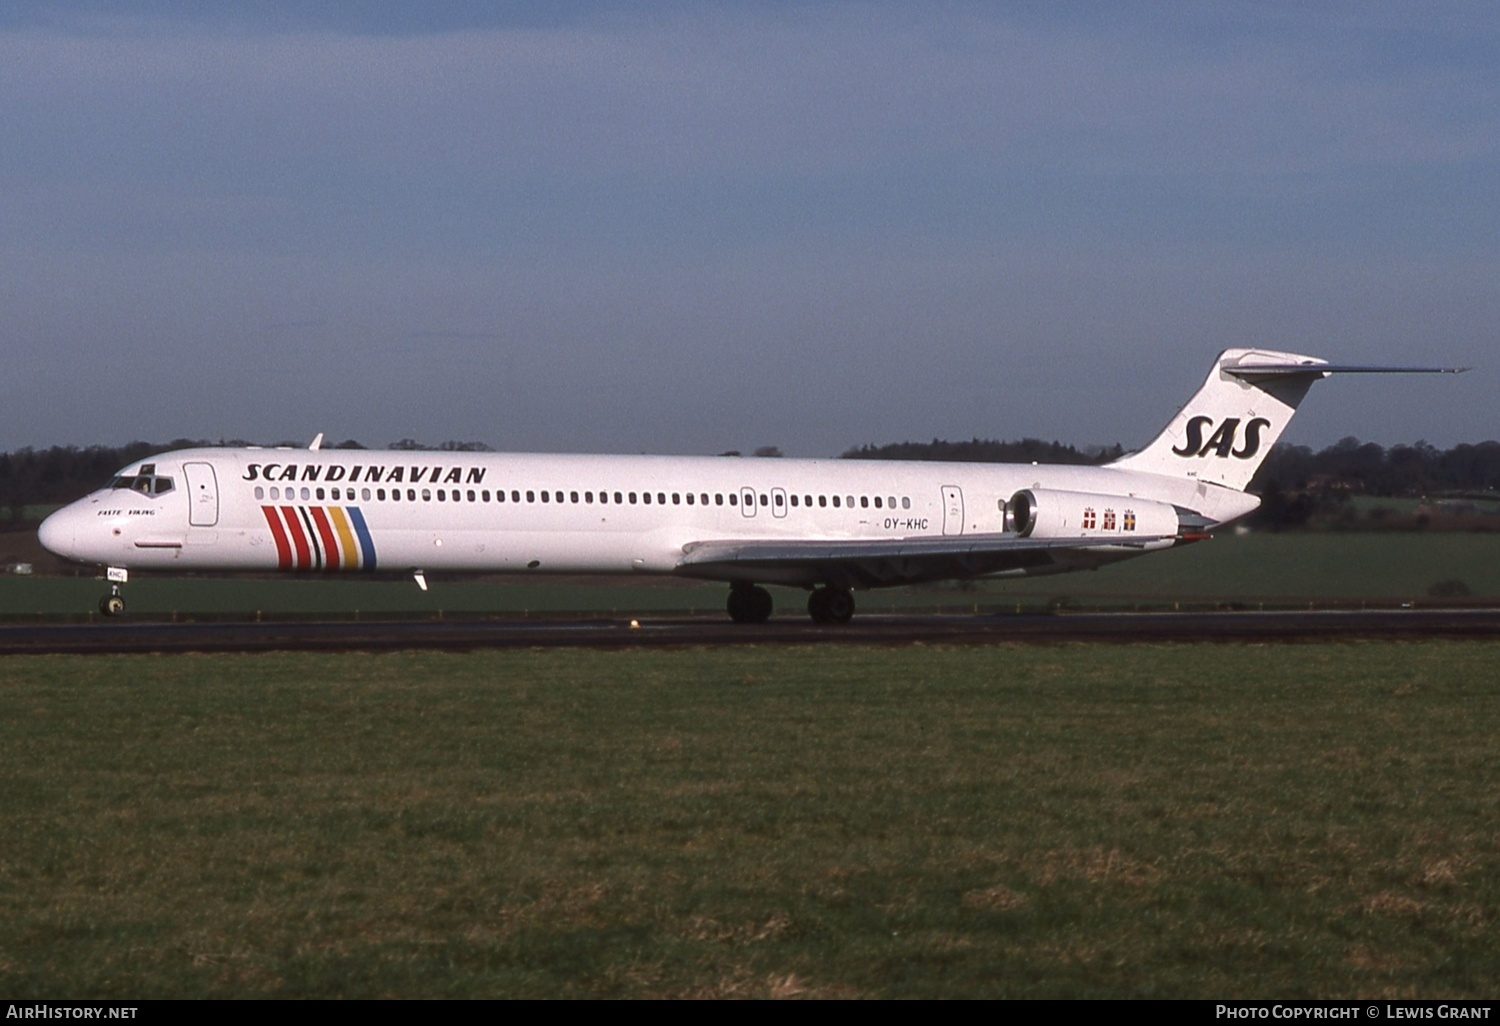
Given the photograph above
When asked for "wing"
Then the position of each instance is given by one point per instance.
(872, 564)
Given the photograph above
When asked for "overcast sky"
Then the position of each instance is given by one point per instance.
(690, 227)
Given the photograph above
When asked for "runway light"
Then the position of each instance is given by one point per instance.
(635, 625)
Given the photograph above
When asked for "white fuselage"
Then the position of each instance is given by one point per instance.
(367, 510)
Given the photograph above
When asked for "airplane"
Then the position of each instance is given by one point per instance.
(830, 526)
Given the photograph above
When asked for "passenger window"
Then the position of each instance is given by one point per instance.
(905, 502)
(718, 498)
(777, 497)
(763, 501)
(441, 496)
(471, 495)
(484, 496)
(572, 496)
(530, 496)
(618, 497)
(677, 498)
(835, 502)
(733, 499)
(864, 502)
(411, 495)
(646, 496)
(690, 498)
(426, 495)
(822, 500)
(794, 500)
(877, 502)
(380, 494)
(259, 492)
(546, 496)
(632, 498)
(305, 495)
(661, 498)
(588, 498)
(320, 494)
(515, 496)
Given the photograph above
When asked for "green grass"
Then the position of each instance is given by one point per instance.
(1171, 821)
(1274, 569)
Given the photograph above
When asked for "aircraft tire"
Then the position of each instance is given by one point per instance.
(831, 605)
(112, 605)
(839, 605)
(817, 605)
(749, 604)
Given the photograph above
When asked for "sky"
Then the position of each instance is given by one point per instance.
(694, 227)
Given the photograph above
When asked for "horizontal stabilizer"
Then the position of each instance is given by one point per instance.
(1270, 370)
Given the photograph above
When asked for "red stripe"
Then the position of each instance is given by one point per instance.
(330, 543)
(294, 527)
(283, 548)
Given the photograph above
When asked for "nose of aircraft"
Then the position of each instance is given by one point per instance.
(59, 532)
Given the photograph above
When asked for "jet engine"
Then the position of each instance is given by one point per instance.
(1051, 513)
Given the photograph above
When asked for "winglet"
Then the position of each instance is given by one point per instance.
(316, 443)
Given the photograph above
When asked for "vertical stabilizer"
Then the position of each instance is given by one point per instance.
(1224, 431)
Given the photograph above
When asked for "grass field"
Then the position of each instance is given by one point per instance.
(1054, 821)
(1274, 569)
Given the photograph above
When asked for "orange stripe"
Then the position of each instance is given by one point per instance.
(346, 537)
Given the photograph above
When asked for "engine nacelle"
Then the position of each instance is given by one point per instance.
(1050, 513)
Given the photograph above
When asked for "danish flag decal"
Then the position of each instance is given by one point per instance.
(1221, 442)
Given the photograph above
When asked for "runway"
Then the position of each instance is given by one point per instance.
(462, 635)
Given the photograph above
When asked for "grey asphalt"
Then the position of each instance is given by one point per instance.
(129, 636)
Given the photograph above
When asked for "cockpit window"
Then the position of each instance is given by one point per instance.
(146, 482)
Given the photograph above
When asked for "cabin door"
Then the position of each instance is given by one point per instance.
(953, 510)
(203, 494)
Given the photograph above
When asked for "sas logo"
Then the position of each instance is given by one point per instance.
(1222, 442)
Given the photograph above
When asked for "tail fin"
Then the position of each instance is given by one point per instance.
(1227, 428)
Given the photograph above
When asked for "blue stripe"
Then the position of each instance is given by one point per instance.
(366, 543)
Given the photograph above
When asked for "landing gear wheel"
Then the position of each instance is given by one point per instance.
(112, 605)
(749, 603)
(831, 605)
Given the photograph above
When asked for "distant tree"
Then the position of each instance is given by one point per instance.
(983, 450)
(769, 451)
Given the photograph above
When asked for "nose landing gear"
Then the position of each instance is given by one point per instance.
(113, 604)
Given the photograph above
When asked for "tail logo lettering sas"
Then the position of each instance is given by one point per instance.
(1221, 442)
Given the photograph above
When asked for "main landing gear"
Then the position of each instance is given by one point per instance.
(113, 604)
(750, 603)
(831, 605)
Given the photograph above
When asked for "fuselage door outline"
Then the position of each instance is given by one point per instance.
(203, 494)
